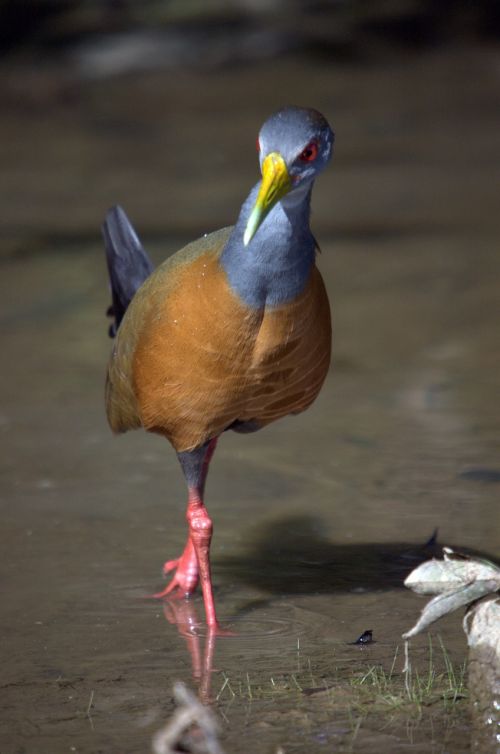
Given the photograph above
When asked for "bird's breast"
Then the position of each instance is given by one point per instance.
(292, 353)
(204, 359)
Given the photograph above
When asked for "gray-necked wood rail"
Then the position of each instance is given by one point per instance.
(231, 332)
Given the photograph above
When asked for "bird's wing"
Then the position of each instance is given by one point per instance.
(143, 317)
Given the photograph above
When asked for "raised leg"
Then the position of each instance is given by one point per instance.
(194, 563)
(186, 576)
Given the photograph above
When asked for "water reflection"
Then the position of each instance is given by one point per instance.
(291, 555)
(184, 615)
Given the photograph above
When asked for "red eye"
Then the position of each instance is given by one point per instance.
(310, 152)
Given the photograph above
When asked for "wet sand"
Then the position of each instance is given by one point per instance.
(317, 518)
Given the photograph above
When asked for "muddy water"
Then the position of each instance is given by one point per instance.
(318, 518)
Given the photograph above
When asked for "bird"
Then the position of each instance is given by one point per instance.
(232, 332)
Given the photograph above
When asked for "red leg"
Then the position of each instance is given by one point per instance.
(200, 531)
(194, 563)
(195, 560)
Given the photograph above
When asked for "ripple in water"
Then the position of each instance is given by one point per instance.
(254, 628)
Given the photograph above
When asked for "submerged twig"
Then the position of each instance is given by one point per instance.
(190, 716)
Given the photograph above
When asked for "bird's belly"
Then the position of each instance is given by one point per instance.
(207, 360)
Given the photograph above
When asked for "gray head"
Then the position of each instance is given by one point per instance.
(302, 137)
(295, 144)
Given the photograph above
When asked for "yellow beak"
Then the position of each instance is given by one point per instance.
(276, 182)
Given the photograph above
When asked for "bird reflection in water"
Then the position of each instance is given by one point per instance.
(183, 614)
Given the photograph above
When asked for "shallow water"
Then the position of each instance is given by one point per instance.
(318, 518)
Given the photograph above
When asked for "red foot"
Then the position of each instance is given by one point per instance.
(186, 575)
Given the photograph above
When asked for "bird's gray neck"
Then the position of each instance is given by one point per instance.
(275, 266)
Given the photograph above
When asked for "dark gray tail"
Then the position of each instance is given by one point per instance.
(128, 263)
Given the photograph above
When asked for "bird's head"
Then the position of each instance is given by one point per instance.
(294, 146)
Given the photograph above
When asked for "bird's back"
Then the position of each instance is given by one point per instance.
(191, 358)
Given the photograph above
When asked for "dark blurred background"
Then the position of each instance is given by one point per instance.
(156, 104)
